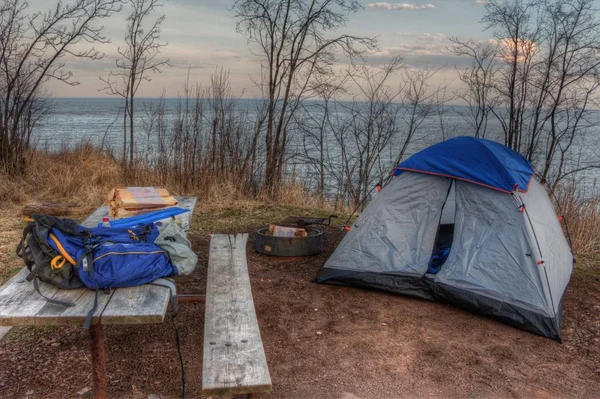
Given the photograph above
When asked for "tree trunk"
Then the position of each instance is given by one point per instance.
(131, 142)
(125, 132)
(269, 170)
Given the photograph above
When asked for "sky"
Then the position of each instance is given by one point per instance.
(202, 37)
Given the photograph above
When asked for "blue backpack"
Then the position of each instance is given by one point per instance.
(107, 257)
(100, 257)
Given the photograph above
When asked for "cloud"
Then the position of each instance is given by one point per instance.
(419, 50)
(433, 37)
(400, 6)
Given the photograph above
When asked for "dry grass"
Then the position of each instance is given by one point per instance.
(84, 175)
(582, 215)
(81, 176)
(10, 233)
(12, 191)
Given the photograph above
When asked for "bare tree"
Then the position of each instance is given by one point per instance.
(514, 25)
(420, 101)
(292, 38)
(365, 128)
(33, 50)
(478, 80)
(139, 60)
(547, 79)
(351, 145)
(444, 113)
(210, 140)
(573, 67)
(315, 125)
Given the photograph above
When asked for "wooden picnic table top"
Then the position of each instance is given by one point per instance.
(21, 305)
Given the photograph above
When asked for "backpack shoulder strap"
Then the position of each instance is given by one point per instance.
(21, 245)
(170, 284)
(86, 261)
(37, 289)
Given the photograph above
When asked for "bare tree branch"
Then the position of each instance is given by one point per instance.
(139, 59)
(33, 48)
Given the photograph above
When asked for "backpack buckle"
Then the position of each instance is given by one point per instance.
(58, 262)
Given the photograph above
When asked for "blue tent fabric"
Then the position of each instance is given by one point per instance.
(474, 160)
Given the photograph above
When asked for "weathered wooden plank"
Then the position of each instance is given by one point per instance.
(19, 302)
(83, 298)
(145, 304)
(187, 203)
(234, 358)
(95, 218)
(4, 333)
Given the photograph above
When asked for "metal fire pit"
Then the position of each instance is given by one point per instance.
(289, 246)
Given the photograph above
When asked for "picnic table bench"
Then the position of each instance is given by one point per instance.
(21, 305)
(234, 359)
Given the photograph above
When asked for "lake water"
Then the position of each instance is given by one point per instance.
(99, 121)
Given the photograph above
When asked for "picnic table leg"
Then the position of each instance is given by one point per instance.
(191, 298)
(98, 361)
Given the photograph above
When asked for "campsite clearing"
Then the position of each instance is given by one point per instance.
(324, 341)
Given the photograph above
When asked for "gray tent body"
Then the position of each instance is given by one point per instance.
(506, 260)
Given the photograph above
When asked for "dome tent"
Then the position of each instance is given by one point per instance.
(463, 221)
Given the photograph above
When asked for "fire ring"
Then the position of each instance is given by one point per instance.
(267, 244)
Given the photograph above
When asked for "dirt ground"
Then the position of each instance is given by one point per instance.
(324, 341)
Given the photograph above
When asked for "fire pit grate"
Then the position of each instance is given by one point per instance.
(305, 221)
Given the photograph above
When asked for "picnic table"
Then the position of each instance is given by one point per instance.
(21, 305)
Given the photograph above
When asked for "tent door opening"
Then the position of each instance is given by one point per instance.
(445, 233)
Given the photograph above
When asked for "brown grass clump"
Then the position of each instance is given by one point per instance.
(82, 175)
(582, 216)
(296, 195)
(12, 191)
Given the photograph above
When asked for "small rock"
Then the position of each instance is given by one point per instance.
(153, 396)
(316, 309)
(84, 390)
(319, 333)
(28, 393)
(55, 344)
(384, 324)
